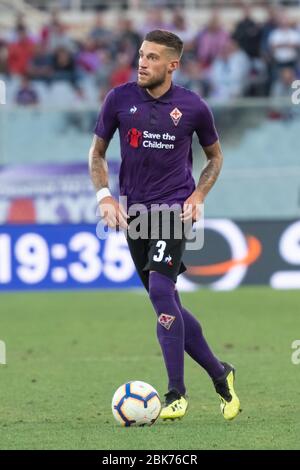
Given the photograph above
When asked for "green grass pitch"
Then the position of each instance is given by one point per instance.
(68, 352)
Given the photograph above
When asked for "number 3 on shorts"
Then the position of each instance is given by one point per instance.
(161, 245)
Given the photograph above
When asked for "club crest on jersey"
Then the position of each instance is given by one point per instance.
(176, 116)
(166, 320)
(134, 137)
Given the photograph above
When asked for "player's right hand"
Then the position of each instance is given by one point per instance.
(113, 213)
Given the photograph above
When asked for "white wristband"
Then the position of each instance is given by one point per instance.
(102, 193)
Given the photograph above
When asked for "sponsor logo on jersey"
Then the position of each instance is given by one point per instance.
(134, 137)
(166, 320)
(168, 260)
(147, 139)
(133, 109)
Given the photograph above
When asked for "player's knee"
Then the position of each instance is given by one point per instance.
(160, 286)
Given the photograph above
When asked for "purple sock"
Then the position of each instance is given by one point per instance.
(195, 344)
(170, 328)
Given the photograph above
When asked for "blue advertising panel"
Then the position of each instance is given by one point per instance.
(74, 256)
(63, 257)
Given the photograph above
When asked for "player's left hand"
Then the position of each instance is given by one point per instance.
(192, 207)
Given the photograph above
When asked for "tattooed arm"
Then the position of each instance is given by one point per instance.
(206, 181)
(98, 164)
(112, 212)
(211, 171)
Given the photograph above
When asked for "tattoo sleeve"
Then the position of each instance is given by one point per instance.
(98, 164)
(212, 169)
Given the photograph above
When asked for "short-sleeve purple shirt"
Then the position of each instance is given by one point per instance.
(156, 140)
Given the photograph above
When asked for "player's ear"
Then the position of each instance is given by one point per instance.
(173, 66)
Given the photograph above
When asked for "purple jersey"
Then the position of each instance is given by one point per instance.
(156, 140)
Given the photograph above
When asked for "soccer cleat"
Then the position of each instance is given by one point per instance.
(230, 403)
(175, 406)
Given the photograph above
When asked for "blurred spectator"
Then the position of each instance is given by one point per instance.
(3, 57)
(40, 66)
(284, 43)
(283, 85)
(20, 52)
(228, 75)
(64, 66)
(248, 34)
(100, 34)
(47, 29)
(211, 40)
(154, 19)
(88, 59)
(55, 35)
(105, 70)
(26, 95)
(128, 41)
(123, 71)
(178, 26)
(189, 75)
(20, 23)
(268, 26)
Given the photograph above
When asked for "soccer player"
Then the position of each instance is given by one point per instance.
(156, 121)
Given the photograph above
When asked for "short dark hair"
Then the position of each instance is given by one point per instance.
(166, 38)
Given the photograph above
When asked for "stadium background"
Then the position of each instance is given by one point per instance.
(57, 61)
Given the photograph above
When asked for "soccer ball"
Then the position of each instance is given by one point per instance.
(136, 404)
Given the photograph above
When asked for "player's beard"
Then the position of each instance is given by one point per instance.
(153, 82)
